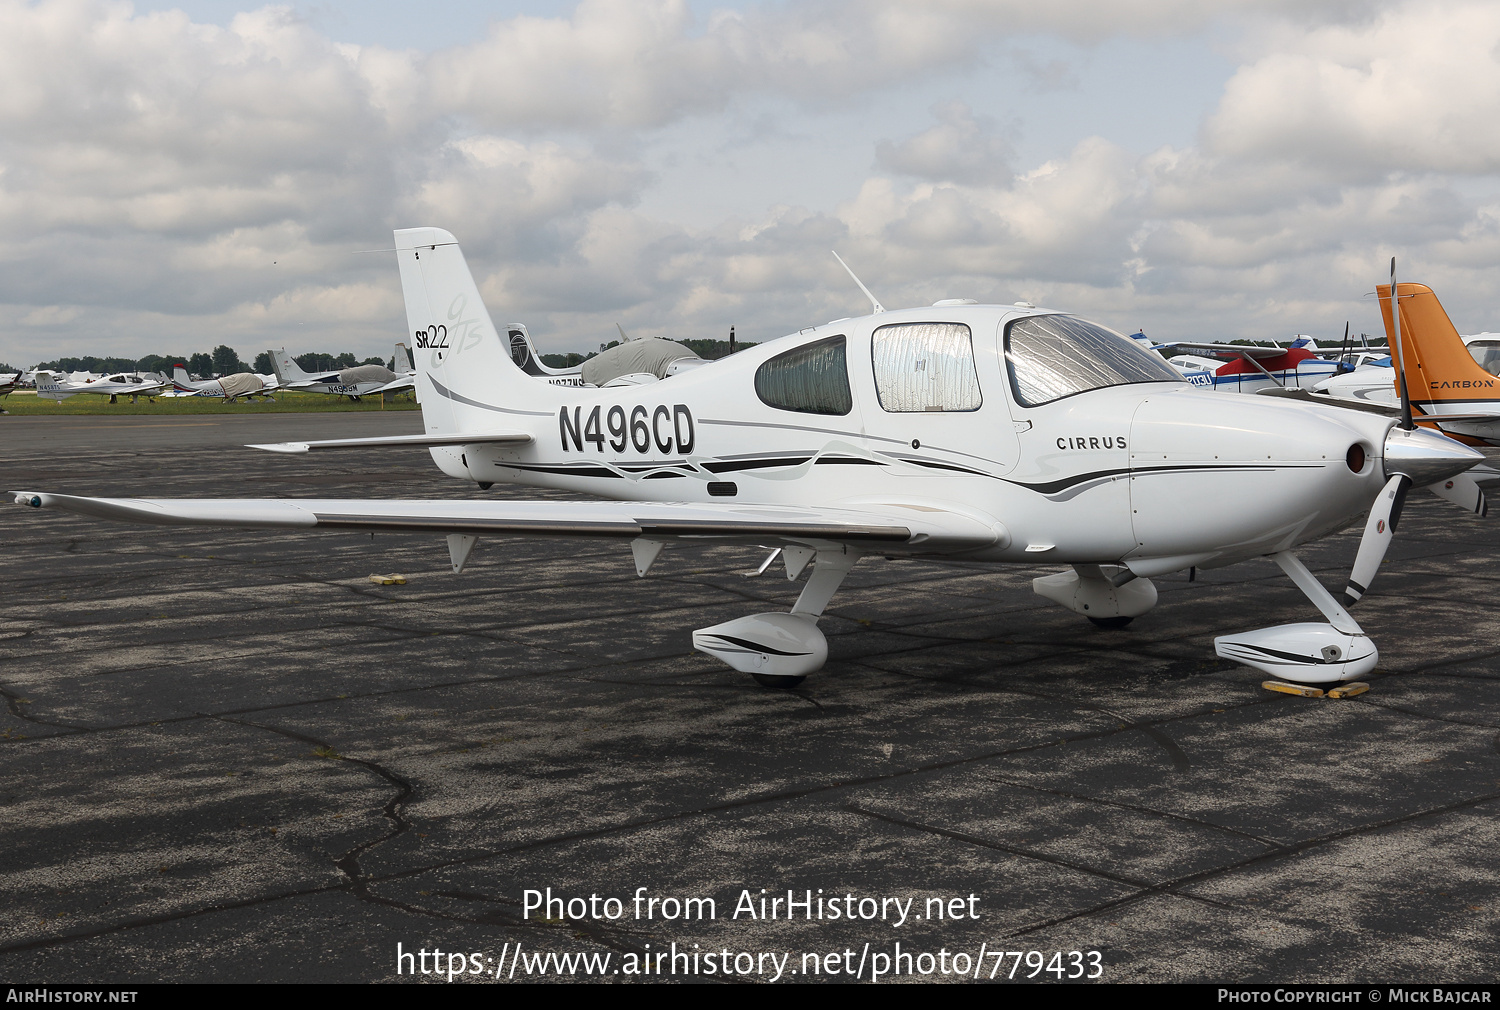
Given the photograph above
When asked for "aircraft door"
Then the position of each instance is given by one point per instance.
(944, 388)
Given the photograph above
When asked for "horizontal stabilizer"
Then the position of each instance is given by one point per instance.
(392, 441)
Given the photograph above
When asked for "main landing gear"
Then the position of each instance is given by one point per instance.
(1111, 596)
(780, 650)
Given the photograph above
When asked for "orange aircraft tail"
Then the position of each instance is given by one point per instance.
(1439, 368)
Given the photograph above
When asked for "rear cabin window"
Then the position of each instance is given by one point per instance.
(1053, 356)
(925, 366)
(811, 379)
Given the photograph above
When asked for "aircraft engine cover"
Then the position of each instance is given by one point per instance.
(780, 645)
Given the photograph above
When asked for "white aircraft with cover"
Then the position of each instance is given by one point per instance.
(1006, 434)
(227, 387)
(353, 382)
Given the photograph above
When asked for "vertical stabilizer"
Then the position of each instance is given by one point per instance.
(285, 368)
(466, 378)
(1439, 368)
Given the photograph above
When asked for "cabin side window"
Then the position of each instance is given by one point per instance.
(811, 379)
(925, 366)
(1486, 354)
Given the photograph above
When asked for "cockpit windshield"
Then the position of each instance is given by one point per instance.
(1050, 357)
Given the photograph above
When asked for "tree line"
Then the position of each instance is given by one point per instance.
(225, 360)
(222, 360)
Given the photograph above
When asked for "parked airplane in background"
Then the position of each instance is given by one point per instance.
(353, 382)
(51, 387)
(8, 383)
(1375, 380)
(523, 353)
(988, 433)
(229, 387)
(1451, 386)
(1242, 368)
(404, 370)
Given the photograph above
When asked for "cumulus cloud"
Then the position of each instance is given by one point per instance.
(960, 148)
(161, 179)
(1415, 89)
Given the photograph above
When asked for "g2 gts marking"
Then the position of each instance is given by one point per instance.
(435, 337)
(662, 426)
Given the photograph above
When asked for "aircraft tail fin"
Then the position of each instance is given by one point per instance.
(402, 359)
(50, 387)
(523, 353)
(466, 378)
(286, 369)
(1438, 366)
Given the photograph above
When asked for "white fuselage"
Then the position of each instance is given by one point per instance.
(1154, 474)
(49, 386)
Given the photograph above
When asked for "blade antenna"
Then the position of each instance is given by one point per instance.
(1400, 359)
(875, 306)
(1344, 350)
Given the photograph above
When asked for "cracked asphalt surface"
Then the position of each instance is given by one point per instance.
(228, 756)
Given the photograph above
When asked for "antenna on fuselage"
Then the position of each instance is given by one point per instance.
(875, 306)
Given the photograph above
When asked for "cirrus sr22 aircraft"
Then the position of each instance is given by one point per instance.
(1003, 434)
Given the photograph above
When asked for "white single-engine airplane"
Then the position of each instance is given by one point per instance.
(49, 385)
(1005, 434)
(228, 387)
(353, 382)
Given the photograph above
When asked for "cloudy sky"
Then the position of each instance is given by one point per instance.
(174, 176)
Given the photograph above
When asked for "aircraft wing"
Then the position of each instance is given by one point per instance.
(939, 531)
(388, 441)
(399, 384)
(1349, 402)
(1232, 350)
(1389, 410)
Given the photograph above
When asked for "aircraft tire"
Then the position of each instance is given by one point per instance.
(772, 680)
(1111, 622)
